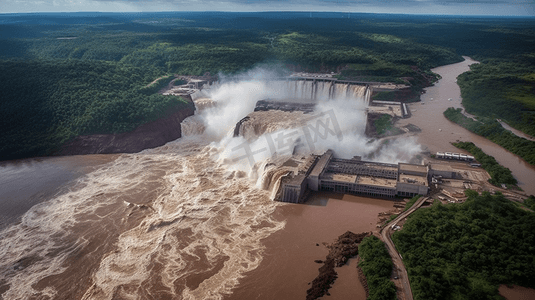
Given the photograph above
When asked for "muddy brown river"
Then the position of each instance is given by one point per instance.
(180, 222)
(438, 132)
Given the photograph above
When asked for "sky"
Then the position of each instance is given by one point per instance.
(442, 7)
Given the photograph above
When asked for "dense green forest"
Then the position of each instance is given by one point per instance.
(504, 89)
(498, 173)
(46, 103)
(492, 130)
(464, 251)
(133, 49)
(376, 265)
(530, 202)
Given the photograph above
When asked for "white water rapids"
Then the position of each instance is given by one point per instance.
(182, 221)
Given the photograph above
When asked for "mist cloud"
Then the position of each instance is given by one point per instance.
(236, 99)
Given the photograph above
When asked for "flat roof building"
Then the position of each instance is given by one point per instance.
(357, 177)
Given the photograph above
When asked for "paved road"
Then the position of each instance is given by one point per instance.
(386, 232)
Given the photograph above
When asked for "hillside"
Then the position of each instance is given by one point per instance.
(66, 75)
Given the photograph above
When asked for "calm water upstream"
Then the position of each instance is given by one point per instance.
(438, 133)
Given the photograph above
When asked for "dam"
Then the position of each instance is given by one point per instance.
(323, 89)
(304, 89)
(354, 176)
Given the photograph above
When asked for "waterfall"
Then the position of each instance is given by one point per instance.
(323, 90)
(192, 125)
(304, 90)
(318, 90)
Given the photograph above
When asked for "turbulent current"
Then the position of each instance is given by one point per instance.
(163, 222)
(182, 221)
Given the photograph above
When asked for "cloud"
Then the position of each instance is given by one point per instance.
(460, 7)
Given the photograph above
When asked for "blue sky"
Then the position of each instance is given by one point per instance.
(446, 7)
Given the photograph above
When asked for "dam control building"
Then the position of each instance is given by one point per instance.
(353, 176)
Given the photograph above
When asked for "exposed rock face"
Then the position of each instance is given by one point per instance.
(149, 135)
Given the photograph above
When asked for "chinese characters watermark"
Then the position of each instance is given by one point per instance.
(321, 126)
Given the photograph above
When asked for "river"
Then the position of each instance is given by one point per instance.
(438, 132)
(182, 222)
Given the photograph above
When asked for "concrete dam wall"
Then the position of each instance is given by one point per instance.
(303, 95)
(317, 90)
(306, 90)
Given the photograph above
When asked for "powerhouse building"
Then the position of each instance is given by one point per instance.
(354, 176)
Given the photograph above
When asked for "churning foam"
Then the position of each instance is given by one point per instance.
(184, 220)
(175, 214)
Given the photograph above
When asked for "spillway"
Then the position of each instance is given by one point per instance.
(317, 90)
(309, 90)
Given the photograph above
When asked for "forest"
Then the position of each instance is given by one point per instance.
(502, 89)
(498, 174)
(377, 265)
(466, 250)
(64, 58)
(492, 130)
(47, 103)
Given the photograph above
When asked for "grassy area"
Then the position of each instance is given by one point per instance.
(411, 202)
(383, 124)
(384, 96)
(158, 85)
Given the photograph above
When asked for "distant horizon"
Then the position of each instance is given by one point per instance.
(496, 8)
(268, 11)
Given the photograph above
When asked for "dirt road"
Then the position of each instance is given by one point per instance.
(402, 280)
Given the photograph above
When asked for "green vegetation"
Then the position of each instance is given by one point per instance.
(383, 124)
(504, 89)
(132, 50)
(498, 173)
(156, 86)
(464, 251)
(411, 202)
(384, 96)
(456, 115)
(530, 202)
(46, 103)
(376, 265)
(384, 127)
(494, 131)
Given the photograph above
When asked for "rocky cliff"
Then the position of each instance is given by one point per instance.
(149, 135)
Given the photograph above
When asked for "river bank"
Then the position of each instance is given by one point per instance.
(437, 133)
(288, 264)
(146, 136)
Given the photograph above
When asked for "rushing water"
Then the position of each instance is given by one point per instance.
(438, 132)
(183, 221)
(180, 221)
(163, 223)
